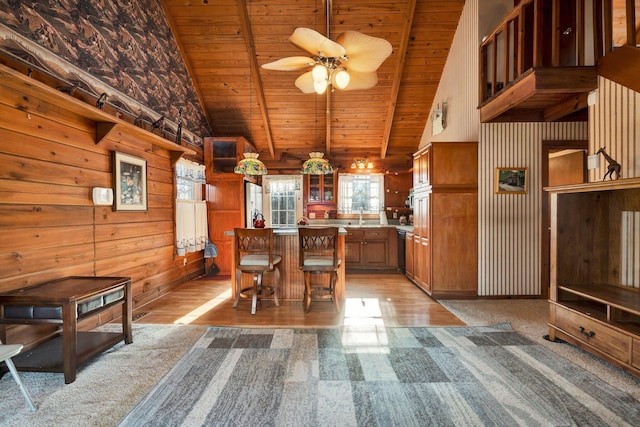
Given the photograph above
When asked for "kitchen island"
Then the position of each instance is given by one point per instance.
(291, 277)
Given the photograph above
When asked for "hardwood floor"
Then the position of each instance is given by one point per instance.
(371, 299)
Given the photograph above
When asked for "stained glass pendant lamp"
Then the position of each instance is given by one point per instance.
(250, 165)
(316, 164)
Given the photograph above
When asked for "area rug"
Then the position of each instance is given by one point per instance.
(106, 388)
(377, 376)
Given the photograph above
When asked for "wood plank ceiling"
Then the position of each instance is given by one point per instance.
(225, 42)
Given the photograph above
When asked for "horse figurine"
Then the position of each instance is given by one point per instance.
(614, 167)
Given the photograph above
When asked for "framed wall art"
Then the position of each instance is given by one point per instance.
(130, 182)
(511, 181)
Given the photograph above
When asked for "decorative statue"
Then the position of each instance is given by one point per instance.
(614, 167)
(101, 100)
(179, 130)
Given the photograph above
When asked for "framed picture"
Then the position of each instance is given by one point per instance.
(130, 182)
(511, 181)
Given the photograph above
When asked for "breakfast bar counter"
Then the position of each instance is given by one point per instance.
(291, 277)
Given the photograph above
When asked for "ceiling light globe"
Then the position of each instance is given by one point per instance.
(319, 73)
(320, 86)
(342, 79)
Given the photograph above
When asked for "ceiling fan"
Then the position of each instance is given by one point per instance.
(349, 63)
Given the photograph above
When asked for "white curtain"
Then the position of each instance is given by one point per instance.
(191, 226)
(191, 211)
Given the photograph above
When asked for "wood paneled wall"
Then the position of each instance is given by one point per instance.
(509, 225)
(49, 227)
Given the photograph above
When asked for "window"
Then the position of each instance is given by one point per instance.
(191, 211)
(283, 201)
(356, 191)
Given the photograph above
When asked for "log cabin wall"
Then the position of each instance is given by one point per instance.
(49, 227)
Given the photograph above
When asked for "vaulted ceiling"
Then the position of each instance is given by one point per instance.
(225, 42)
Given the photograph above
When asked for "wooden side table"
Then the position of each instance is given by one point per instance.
(65, 302)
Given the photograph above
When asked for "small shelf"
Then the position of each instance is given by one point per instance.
(106, 124)
(615, 296)
(48, 357)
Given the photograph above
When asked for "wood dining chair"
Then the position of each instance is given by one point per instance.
(7, 351)
(318, 254)
(254, 254)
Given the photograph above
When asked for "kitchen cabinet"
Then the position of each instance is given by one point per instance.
(593, 302)
(224, 212)
(445, 215)
(225, 152)
(409, 265)
(321, 195)
(371, 248)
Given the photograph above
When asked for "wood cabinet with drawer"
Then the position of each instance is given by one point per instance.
(593, 305)
(445, 215)
(371, 248)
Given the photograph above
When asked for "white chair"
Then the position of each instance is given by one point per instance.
(7, 351)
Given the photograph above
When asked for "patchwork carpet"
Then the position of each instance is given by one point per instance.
(377, 376)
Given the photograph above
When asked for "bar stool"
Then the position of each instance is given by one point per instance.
(7, 351)
(254, 255)
(319, 255)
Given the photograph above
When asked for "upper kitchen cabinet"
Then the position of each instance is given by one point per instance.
(225, 152)
(320, 195)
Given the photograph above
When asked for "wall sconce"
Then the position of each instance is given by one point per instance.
(361, 164)
(102, 196)
(439, 119)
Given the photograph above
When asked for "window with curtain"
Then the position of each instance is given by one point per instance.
(283, 200)
(191, 210)
(356, 191)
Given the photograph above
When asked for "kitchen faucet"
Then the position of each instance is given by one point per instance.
(360, 221)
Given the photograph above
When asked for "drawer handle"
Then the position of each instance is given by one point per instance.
(589, 334)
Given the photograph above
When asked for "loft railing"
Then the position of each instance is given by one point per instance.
(549, 33)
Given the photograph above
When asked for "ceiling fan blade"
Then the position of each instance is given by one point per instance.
(360, 81)
(365, 53)
(290, 63)
(314, 43)
(305, 83)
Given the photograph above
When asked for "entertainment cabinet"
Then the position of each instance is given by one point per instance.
(594, 295)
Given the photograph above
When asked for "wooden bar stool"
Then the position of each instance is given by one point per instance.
(254, 255)
(319, 255)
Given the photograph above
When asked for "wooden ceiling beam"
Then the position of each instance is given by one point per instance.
(395, 89)
(569, 106)
(255, 73)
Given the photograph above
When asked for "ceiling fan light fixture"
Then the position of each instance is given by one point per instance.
(320, 86)
(319, 72)
(342, 78)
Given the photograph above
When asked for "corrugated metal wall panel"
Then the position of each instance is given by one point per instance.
(509, 225)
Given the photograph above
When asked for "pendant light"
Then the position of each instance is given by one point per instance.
(250, 165)
(316, 164)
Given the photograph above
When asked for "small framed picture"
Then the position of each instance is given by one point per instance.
(511, 181)
(130, 182)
